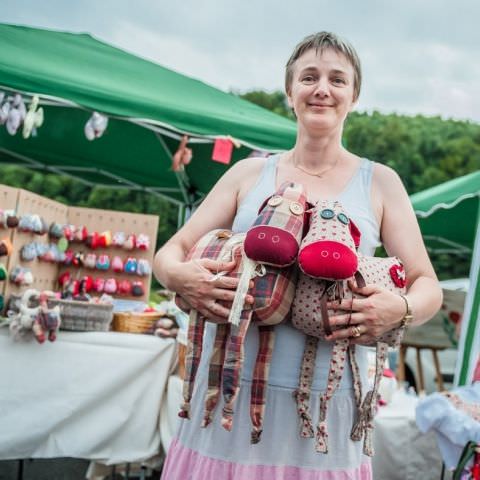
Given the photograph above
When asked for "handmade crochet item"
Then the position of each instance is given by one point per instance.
(56, 230)
(275, 236)
(6, 247)
(103, 262)
(124, 287)
(272, 292)
(143, 267)
(117, 264)
(130, 265)
(105, 239)
(8, 219)
(110, 286)
(33, 118)
(21, 276)
(311, 316)
(21, 323)
(138, 289)
(130, 242)
(118, 239)
(95, 126)
(3, 273)
(90, 261)
(99, 285)
(143, 241)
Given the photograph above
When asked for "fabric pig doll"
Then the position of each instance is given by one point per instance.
(328, 258)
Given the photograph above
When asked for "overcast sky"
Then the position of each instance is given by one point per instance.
(418, 56)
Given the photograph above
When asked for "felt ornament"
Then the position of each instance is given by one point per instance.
(103, 262)
(130, 265)
(63, 278)
(110, 286)
(33, 118)
(311, 315)
(105, 239)
(49, 254)
(3, 273)
(92, 240)
(143, 241)
(182, 156)
(328, 250)
(117, 264)
(70, 289)
(55, 230)
(48, 320)
(143, 267)
(77, 260)
(275, 237)
(16, 114)
(69, 254)
(130, 242)
(98, 285)
(118, 239)
(79, 234)
(95, 126)
(90, 261)
(138, 289)
(8, 219)
(21, 276)
(4, 111)
(68, 232)
(124, 287)
(6, 247)
(273, 293)
(88, 283)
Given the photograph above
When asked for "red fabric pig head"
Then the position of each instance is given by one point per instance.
(329, 249)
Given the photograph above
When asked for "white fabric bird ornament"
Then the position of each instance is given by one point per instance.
(33, 118)
(95, 126)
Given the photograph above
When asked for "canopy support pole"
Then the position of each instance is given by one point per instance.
(469, 344)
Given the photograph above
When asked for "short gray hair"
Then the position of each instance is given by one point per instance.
(321, 41)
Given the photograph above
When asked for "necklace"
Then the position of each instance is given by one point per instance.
(313, 174)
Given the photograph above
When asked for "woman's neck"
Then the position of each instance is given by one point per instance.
(315, 152)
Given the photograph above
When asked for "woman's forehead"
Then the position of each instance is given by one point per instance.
(326, 58)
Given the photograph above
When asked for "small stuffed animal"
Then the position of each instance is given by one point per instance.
(21, 276)
(138, 289)
(49, 320)
(118, 239)
(8, 219)
(124, 287)
(130, 242)
(6, 247)
(90, 260)
(143, 267)
(143, 241)
(95, 126)
(110, 286)
(33, 118)
(103, 262)
(117, 264)
(130, 265)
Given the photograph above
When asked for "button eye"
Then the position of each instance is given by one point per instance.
(275, 200)
(327, 213)
(343, 218)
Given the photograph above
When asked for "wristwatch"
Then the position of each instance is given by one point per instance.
(408, 317)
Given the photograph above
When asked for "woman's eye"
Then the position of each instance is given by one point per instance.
(308, 78)
(339, 80)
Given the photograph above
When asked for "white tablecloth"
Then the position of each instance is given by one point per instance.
(89, 395)
(402, 452)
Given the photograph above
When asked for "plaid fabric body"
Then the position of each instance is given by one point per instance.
(306, 316)
(273, 293)
(285, 210)
(217, 245)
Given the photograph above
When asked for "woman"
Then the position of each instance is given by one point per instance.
(323, 79)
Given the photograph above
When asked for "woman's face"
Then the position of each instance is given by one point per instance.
(321, 93)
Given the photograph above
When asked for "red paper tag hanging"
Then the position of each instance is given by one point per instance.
(222, 150)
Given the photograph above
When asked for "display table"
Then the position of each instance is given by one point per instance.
(91, 395)
(402, 452)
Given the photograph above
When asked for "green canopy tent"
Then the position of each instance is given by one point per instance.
(449, 217)
(149, 109)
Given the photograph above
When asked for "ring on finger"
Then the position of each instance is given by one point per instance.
(355, 331)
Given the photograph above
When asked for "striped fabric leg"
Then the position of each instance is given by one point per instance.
(302, 394)
(260, 378)
(232, 366)
(335, 373)
(364, 424)
(357, 381)
(215, 372)
(196, 328)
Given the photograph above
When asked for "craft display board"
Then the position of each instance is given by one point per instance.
(8, 201)
(45, 274)
(102, 220)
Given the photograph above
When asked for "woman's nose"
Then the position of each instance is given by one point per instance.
(321, 89)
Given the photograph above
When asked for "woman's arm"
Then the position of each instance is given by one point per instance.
(194, 280)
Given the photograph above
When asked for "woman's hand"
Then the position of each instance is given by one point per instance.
(372, 316)
(204, 286)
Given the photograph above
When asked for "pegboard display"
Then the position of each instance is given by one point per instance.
(44, 274)
(8, 201)
(113, 221)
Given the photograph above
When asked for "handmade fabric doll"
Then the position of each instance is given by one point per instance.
(272, 293)
(327, 259)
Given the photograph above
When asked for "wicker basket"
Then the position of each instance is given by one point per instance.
(135, 322)
(84, 316)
